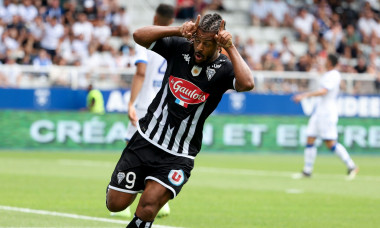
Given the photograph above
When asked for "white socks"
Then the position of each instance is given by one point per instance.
(310, 154)
(343, 155)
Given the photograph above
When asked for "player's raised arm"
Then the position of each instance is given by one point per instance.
(244, 79)
(147, 35)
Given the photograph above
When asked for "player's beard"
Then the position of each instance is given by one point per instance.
(205, 59)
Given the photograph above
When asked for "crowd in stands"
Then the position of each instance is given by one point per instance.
(78, 32)
(349, 28)
(70, 33)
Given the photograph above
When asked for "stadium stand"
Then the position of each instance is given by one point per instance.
(79, 35)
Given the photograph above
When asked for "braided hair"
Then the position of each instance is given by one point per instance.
(210, 23)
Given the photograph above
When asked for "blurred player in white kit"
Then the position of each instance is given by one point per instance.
(324, 120)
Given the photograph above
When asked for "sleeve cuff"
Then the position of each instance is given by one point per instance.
(141, 61)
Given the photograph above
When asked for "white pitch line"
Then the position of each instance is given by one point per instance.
(266, 173)
(294, 191)
(74, 216)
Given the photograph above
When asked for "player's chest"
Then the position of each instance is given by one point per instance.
(205, 78)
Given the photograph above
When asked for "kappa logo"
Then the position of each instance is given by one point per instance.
(186, 92)
(210, 73)
(120, 177)
(176, 177)
(187, 58)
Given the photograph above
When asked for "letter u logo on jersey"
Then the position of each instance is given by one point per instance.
(176, 177)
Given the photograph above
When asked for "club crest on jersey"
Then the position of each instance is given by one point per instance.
(196, 70)
(210, 73)
(187, 58)
(186, 92)
(176, 177)
(120, 177)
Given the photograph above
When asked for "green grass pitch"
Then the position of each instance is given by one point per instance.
(225, 190)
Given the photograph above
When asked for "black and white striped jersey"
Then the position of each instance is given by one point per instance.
(188, 95)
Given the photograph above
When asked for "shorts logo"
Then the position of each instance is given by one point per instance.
(120, 177)
(176, 177)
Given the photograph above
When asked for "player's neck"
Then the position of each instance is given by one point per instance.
(215, 57)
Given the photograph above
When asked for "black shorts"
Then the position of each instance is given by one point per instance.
(141, 161)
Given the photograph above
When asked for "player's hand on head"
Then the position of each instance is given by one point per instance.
(132, 115)
(189, 27)
(223, 38)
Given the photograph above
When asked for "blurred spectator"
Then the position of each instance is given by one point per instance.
(346, 61)
(240, 46)
(70, 13)
(130, 58)
(350, 12)
(377, 82)
(36, 32)
(271, 59)
(18, 29)
(351, 41)
(361, 67)
(101, 32)
(54, 10)
(10, 10)
(279, 14)
(303, 63)
(321, 5)
(366, 25)
(376, 29)
(9, 46)
(334, 37)
(90, 9)
(303, 24)
(287, 55)
(93, 59)
(259, 12)
(273, 51)
(79, 47)
(65, 50)
(185, 9)
(312, 49)
(323, 52)
(210, 5)
(120, 22)
(41, 7)
(323, 22)
(374, 60)
(12, 73)
(83, 27)
(125, 46)
(254, 53)
(27, 11)
(53, 31)
(43, 59)
(374, 5)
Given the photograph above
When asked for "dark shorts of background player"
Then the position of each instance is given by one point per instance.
(141, 161)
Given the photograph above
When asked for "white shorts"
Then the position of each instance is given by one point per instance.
(323, 127)
(132, 129)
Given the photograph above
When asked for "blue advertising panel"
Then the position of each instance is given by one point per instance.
(231, 103)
